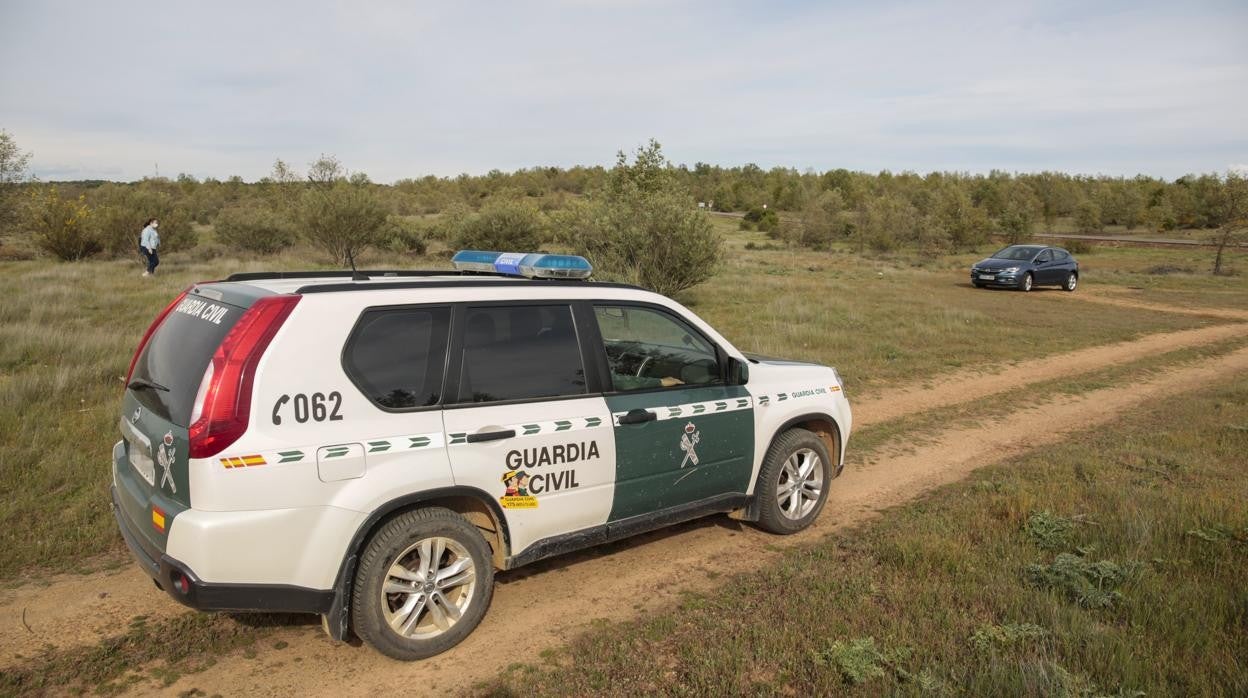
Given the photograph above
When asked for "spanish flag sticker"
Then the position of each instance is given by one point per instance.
(158, 518)
(244, 461)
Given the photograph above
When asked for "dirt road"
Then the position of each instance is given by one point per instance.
(543, 605)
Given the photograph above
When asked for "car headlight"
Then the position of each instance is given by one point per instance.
(1009, 270)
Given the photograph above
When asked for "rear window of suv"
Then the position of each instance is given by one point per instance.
(395, 356)
(178, 353)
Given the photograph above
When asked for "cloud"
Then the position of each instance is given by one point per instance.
(398, 89)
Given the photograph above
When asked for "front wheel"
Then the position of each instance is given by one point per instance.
(793, 482)
(424, 583)
(1026, 284)
(1071, 282)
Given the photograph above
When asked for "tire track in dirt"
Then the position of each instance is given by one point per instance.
(1123, 299)
(550, 603)
(79, 610)
(964, 386)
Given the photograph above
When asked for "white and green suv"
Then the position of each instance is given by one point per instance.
(372, 446)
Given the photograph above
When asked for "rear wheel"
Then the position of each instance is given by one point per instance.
(1071, 281)
(793, 482)
(1027, 282)
(424, 583)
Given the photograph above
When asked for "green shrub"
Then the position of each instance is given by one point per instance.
(253, 227)
(643, 227)
(502, 224)
(1079, 246)
(120, 210)
(342, 219)
(60, 226)
(406, 235)
(764, 219)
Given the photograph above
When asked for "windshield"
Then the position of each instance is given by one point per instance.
(177, 355)
(1021, 253)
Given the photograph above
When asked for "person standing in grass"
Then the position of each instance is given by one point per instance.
(149, 240)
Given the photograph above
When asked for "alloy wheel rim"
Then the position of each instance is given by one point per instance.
(428, 588)
(1027, 282)
(1070, 283)
(800, 485)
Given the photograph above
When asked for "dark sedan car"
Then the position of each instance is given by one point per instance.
(1026, 266)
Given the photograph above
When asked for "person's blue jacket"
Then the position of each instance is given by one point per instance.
(149, 238)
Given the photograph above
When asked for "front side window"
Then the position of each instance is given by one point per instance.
(648, 348)
(396, 356)
(520, 353)
(1045, 256)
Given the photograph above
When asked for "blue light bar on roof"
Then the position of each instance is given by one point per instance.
(533, 265)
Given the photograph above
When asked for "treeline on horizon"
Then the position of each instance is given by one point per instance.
(1099, 200)
(343, 212)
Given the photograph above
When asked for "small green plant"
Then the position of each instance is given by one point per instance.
(1048, 530)
(1087, 583)
(860, 660)
(990, 637)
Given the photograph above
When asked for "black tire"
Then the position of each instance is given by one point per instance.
(1027, 283)
(976, 284)
(399, 541)
(1072, 281)
(771, 515)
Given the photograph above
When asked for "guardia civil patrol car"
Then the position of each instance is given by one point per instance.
(372, 446)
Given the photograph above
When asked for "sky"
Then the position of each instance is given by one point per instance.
(122, 90)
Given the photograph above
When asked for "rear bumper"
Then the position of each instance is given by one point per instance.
(180, 582)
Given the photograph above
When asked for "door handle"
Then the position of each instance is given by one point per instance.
(638, 416)
(479, 437)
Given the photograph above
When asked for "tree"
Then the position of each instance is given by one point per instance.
(819, 222)
(325, 171)
(642, 226)
(1088, 216)
(341, 219)
(1019, 212)
(13, 164)
(1230, 213)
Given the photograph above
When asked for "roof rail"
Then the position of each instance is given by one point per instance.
(335, 274)
(466, 280)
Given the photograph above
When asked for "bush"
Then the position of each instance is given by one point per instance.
(342, 219)
(253, 227)
(120, 210)
(60, 226)
(502, 224)
(406, 236)
(764, 219)
(660, 241)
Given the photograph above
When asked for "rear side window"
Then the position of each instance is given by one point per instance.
(178, 354)
(520, 352)
(395, 356)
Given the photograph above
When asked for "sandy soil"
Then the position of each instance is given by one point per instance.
(548, 603)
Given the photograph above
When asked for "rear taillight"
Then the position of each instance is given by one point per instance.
(223, 405)
(152, 330)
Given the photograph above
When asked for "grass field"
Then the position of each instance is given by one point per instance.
(1109, 565)
(67, 332)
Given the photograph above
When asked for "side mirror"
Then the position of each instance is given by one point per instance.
(738, 371)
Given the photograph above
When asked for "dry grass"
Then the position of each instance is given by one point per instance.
(67, 332)
(1111, 564)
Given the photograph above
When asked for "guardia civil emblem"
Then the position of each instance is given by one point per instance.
(688, 441)
(165, 455)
